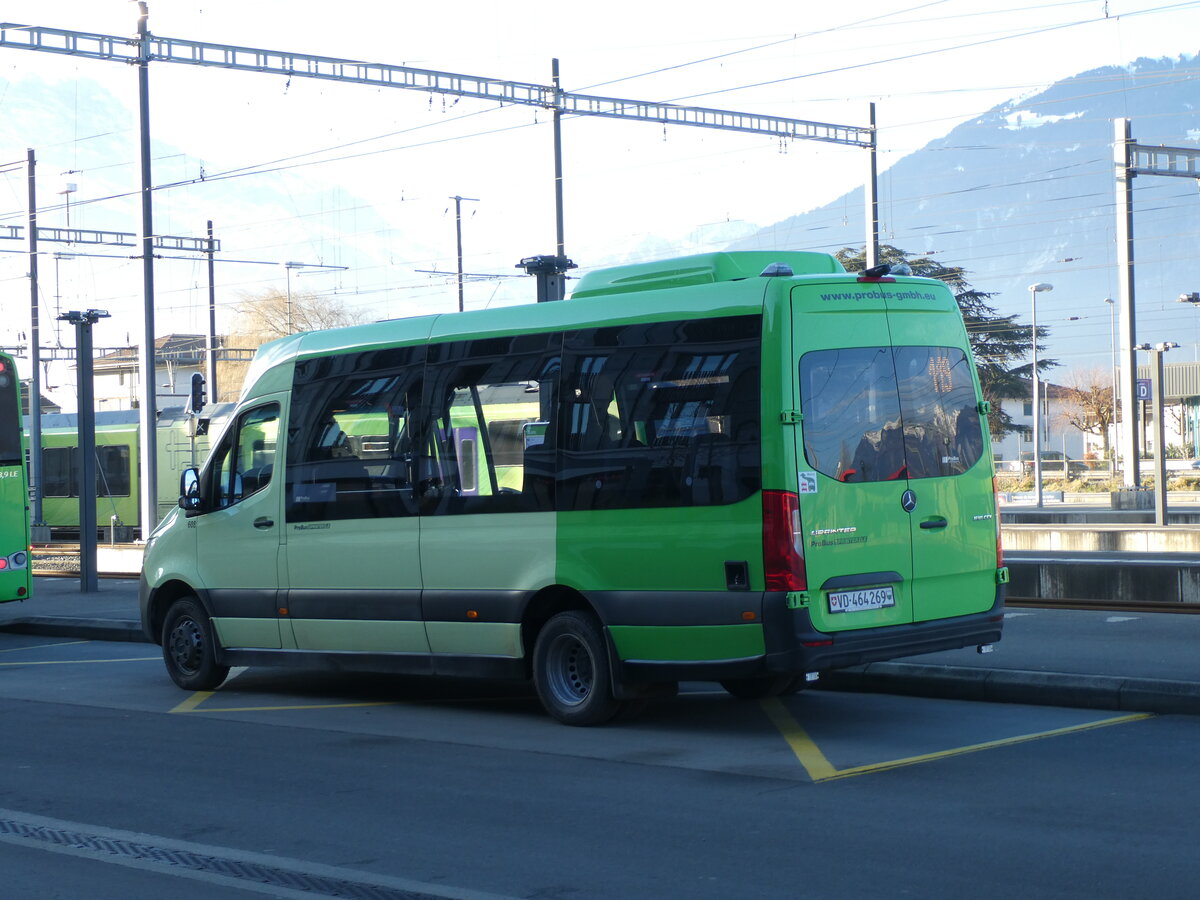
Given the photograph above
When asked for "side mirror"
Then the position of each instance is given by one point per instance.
(189, 490)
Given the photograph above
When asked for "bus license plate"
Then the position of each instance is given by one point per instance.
(854, 601)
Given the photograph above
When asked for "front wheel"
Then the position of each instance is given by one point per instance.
(571, 671)
(189, 649)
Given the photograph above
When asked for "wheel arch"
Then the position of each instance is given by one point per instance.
(161, 599)
(542, 607)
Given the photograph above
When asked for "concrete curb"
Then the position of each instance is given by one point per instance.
(85, 629)
(1020, 686)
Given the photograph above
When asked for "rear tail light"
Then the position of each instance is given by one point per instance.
(783, 542)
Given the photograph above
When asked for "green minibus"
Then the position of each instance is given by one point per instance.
(742, 467)
(15, 570)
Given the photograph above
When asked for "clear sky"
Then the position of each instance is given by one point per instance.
(342, 175)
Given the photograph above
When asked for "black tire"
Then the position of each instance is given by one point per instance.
(763, 686)
(189, 649)
(571, 671)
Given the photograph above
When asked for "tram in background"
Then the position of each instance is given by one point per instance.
(182, 441)
(14, 491)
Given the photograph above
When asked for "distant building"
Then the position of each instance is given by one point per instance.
(1058, 436)
(176, 357)
(1181, 422)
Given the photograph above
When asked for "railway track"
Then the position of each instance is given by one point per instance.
(62, 559)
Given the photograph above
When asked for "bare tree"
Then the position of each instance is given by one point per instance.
(1088, 403)
(272, 314)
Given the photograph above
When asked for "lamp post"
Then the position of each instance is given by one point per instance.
(1034, 290)
(288, 266)
(1112, 343)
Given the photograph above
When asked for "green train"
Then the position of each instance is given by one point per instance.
(183, 440)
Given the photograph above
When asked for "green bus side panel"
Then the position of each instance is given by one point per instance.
(14, 534)
(488, 552)
(360, 635)
(665, 549)
(476, 638)
(687, 642)
(247, 632)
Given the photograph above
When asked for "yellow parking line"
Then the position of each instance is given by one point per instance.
(809, 754)
(190, 704)
(79, 662)
(986, 745)
(820, 769)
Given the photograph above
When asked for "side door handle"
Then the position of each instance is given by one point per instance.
(938, 522)
(264, 522)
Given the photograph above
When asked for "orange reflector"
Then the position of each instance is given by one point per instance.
(283, 610)
(472, 614)
(749, 615)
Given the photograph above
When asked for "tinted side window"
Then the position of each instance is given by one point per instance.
(244, 462)
(10, 416)
(877, 414)
(661, 414)
(488, 446)
(352, 446)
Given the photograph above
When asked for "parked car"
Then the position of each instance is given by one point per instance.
(1052, 464)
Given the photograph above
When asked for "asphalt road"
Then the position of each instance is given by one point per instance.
(315, 785)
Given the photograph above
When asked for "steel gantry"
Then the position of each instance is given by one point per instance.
(144, 48)
(1132, 159)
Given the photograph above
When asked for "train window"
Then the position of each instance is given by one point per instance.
(58, 471)
(112, 471)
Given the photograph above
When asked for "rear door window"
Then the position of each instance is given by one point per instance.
(883, 413)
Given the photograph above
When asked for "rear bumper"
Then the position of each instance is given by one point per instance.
(794, 646)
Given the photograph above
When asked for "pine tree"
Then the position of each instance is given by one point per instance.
(996, 341)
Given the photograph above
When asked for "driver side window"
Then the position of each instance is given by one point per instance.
(245, 461)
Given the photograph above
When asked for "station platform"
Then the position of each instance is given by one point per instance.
(1132, 661)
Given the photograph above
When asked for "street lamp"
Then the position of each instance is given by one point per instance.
(1112, 343)
(1034, 290)
(288, 266)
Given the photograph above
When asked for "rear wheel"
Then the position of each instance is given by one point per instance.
(188, 647)
(571, 670)
(763, 686)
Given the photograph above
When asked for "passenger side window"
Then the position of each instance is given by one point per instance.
(488, 446)
(661, 414)
(244, 462)
(351, 452)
